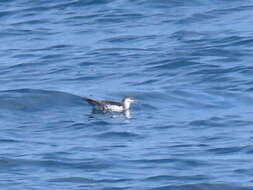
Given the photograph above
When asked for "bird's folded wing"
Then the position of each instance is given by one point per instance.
(93, 101)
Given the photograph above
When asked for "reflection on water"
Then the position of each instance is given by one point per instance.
(127, 114)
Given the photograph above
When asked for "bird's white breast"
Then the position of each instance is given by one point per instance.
(114, 108)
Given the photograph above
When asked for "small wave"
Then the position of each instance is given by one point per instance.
(73, 180)
(86, 180)
(88, 164)
(175, 178)
(202, 186)
(173, 64)
(120, 135)
(34, 99)
(230, 150)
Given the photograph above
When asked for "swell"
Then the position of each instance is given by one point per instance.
(35, 99)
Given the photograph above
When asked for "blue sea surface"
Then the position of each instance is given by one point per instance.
(188, 63)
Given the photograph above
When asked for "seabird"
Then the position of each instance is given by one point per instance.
(107, 105)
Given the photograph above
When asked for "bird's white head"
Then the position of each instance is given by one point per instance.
(127, 102)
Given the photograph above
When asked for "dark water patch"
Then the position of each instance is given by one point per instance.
(210, 122)
(78, 126)
(52, 57)
(217, 52)
(220, 122)
(173, 163)
(122, 39)
(90, 3)
(172, 64)
(181, 146)
(119, 135)
(247, 70)
(173, 178)
(189, 36)
(157, 161)
(45, 48)
(224, 151)
(91, 78)
(123, 49)
(27, 65)
(231, 41)
(57, 155)
(248, 149)
(24, 32)
(93, 165)
(7, 141)
(23, 56)
(147, 82)
(227, 11)
(58, 47)
(202, 186)
(31, 11)
(129, 39)
(243, 171)
(87, 63)
(115, 188)
(82, 18)
(73, 180)
(31, 22)
(118, 18)
(191, 163)
(57, 71)
(167, 5)
(196, 18)
(5, 14)
(101, 123)
(87, 180)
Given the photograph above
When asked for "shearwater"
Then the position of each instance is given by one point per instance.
(108, 105)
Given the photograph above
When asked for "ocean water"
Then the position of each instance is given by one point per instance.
(188, 63)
